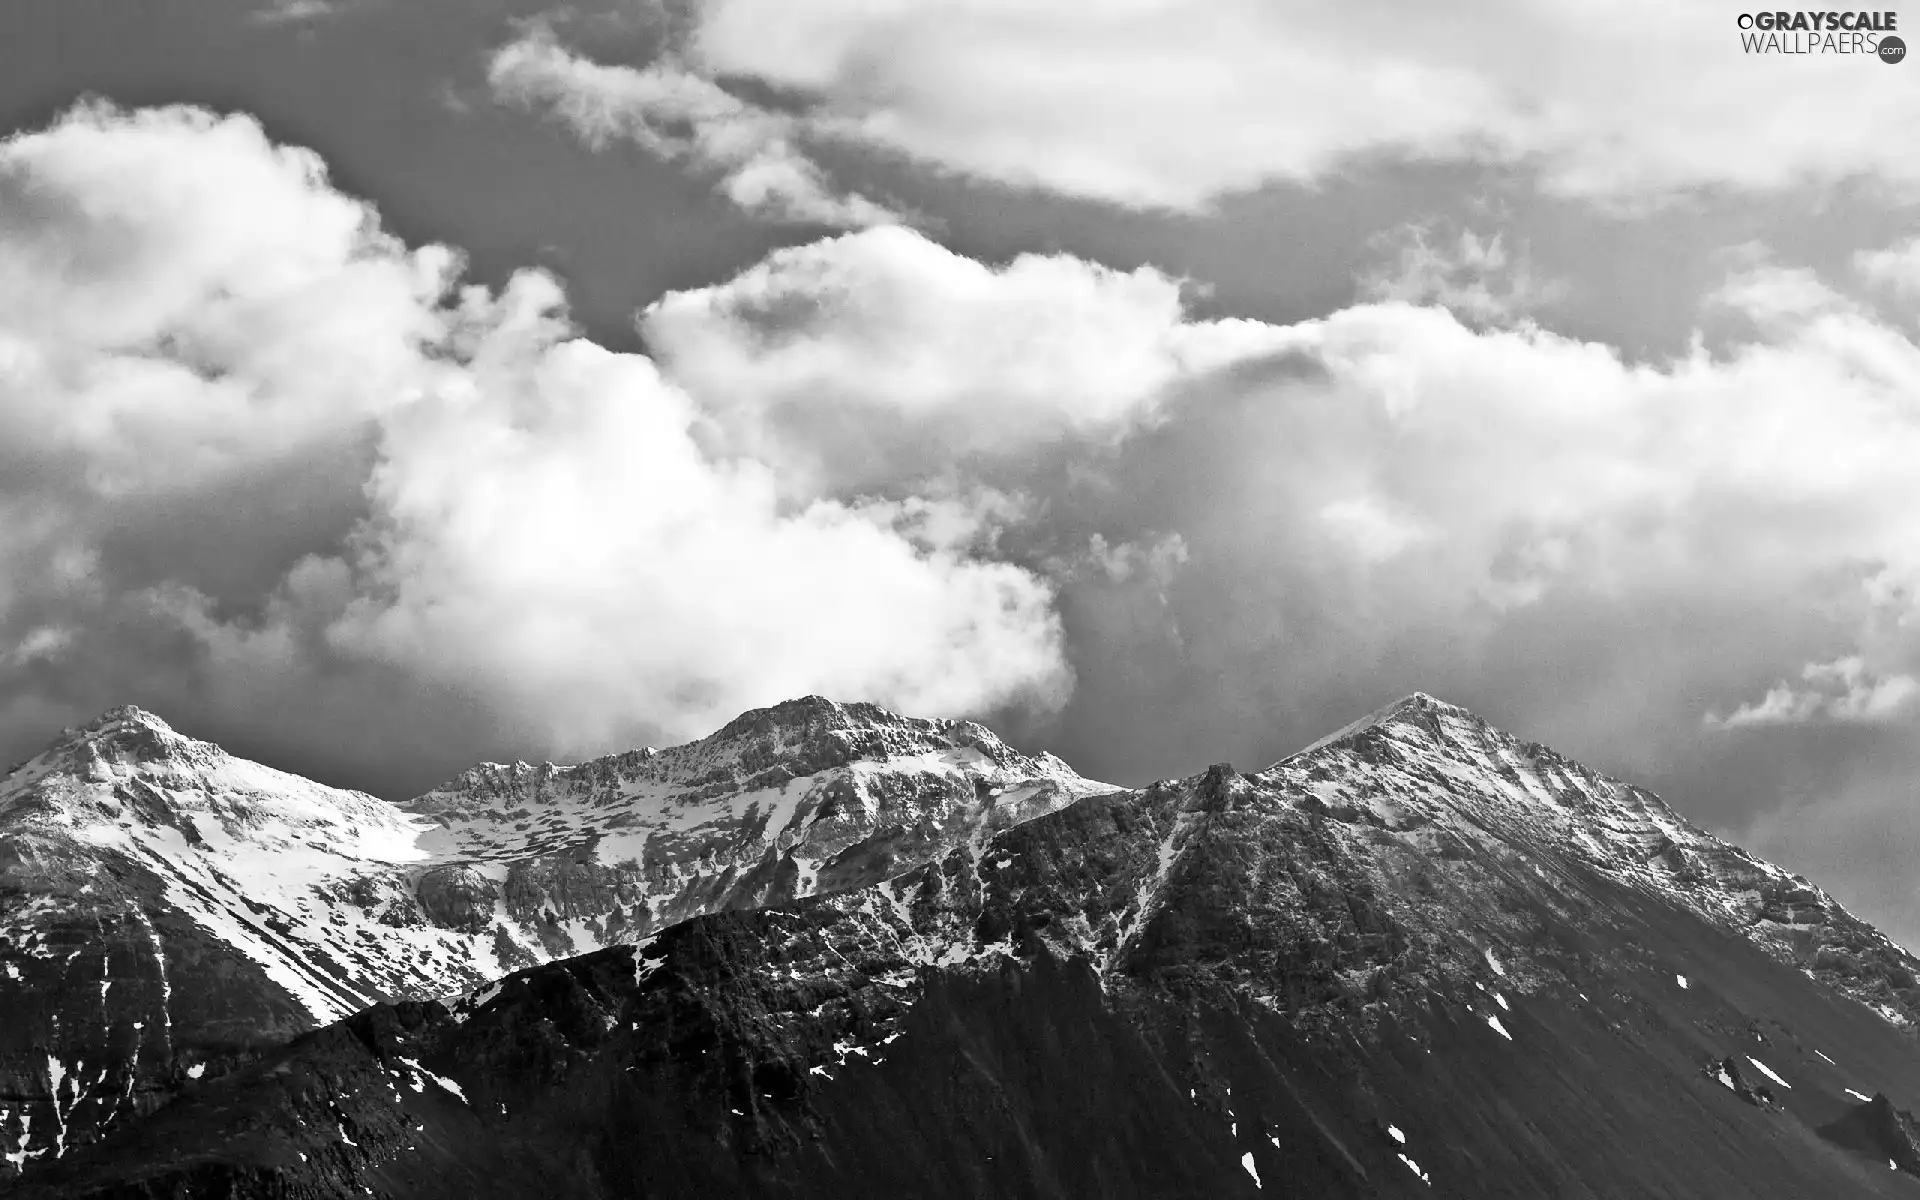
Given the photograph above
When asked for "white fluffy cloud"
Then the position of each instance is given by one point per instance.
(1896, 267)
(881, 355)
(754, 151)
(1840, 690)
(176, 295)
(1428, 476)
(187, 310)
(1475, 276)
(1174, 102)
(1471, 476)
(1562, 431)
(550, 529)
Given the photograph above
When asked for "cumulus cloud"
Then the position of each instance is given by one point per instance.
(881, 355)
(1895, 267)
(1512, 463)
(191, 316)
(1172, 103)
(679, 115)
(1473, 275)
(162, 327)
(556, 536)
(1841, 690)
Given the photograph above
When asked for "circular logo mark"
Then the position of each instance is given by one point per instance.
(1892, 49)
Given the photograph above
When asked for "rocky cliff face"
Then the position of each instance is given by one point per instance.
(168, 910)
(1421, 957)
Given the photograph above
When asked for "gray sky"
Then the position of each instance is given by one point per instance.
(1163, 382)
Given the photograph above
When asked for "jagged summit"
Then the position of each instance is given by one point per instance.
(126, 724)
(122, 737)
(812, 722)
(806, 712)
(1411, 705)
(793, 738)
(128, 715)
(812, 711)
(794, 778)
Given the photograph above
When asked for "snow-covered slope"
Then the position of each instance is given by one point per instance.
(291, 874)
(165, 906)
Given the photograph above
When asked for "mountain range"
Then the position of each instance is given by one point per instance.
(831, 951)
(166, 908)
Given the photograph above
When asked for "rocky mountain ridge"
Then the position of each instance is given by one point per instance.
(167, 909)
(805, 797)
(1420, 957)
(1433, 775)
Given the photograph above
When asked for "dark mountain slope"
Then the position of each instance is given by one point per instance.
(1420, 959)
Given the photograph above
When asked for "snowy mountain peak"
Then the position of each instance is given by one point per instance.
(118, 741)
(825, 729)
(1414, 706)
(800, 712)
(129, 715)
(1441, 779)
(761, 748)
(131, 729)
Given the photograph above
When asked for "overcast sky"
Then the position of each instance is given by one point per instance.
(391, 384)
